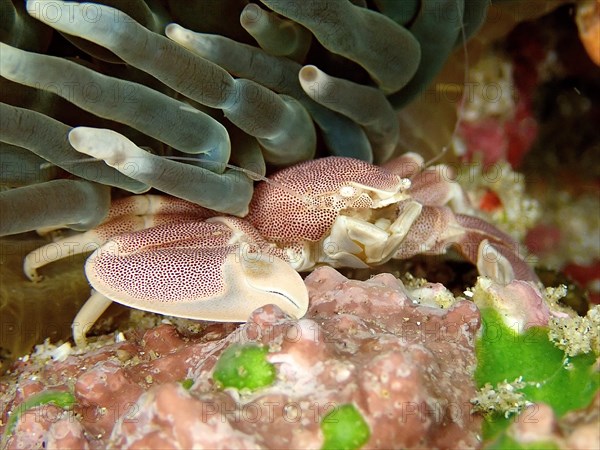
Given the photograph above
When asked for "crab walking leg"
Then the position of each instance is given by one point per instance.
(145, 205)
(186, 181)
(61, 248)
(125, 215)
(87, 316)
(432, 230)
(492, 264)
(495, 253)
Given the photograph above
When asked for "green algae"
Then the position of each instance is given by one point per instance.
(187, 383)
(64, 400)
(506, 442)
(542, 372)
(344, 428)
(244, 367)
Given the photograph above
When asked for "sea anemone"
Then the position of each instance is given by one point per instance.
(243, 88)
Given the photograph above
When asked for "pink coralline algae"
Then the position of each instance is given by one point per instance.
(406, 365)
(577, 430)
(520, 303)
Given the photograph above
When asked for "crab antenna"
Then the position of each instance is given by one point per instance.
(461, 105)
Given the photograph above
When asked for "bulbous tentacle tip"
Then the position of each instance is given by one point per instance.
(99, 143)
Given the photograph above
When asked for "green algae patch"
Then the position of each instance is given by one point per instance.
(515, 369)
(344, 428)
(187, 384)
(62, 399)
(244, 367)
(506, 442)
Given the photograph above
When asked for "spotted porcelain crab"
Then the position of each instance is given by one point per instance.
(166, 255)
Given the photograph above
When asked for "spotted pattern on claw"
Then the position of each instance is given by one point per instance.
(182, 235)
(144, 211)
(128, 224)
(165, 263)
(165, 275)
(313, 180)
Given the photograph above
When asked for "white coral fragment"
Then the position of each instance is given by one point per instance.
(577, 335)
(505, 397)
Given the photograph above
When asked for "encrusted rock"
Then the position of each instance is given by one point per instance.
(407, 367)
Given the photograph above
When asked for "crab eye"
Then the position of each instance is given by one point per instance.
(406, 184)
(347, 191)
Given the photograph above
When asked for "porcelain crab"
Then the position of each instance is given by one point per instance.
(166, 255)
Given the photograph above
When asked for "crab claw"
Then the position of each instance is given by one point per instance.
(495, 253)
(125, 215)
(197, 270)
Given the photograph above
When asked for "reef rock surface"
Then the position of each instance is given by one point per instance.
(406, 365)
